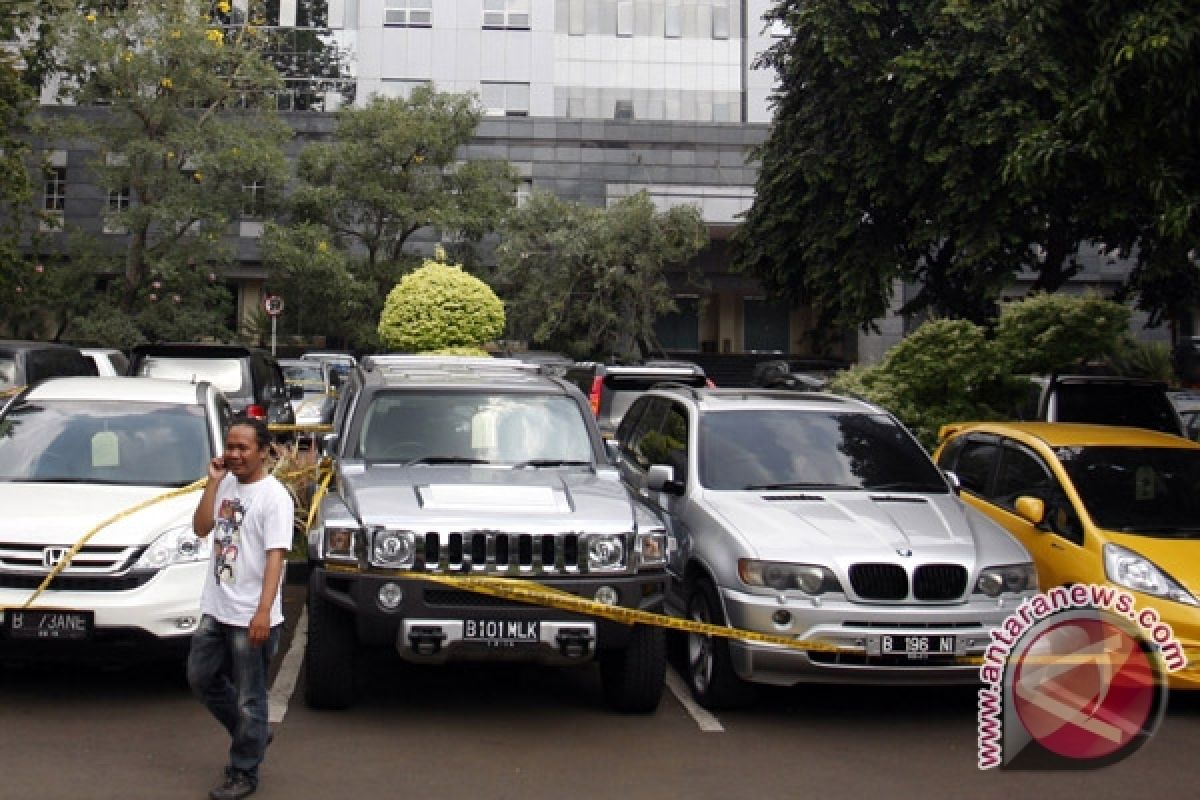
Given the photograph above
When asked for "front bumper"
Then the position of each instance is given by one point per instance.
(165, 609)
(429, 625)
(857, 630)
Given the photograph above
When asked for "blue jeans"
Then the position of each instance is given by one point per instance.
(229, 676)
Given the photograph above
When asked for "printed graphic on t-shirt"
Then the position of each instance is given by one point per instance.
(227, 539)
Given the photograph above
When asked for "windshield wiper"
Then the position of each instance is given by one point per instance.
(551, 462)
(907, 486)
(754, 487)
(433, 460)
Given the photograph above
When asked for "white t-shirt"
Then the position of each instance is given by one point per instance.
(248, 520)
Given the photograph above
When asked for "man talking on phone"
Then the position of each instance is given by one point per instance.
(249, 514)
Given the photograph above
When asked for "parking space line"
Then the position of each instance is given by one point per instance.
(289, 672)
(704, 720)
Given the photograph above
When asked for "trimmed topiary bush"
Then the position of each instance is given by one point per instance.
(440, 307)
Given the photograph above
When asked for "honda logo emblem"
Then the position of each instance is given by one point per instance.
(52, 555)
(904, 552)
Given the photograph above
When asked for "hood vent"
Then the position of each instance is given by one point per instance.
(793, 498)
(894, 498)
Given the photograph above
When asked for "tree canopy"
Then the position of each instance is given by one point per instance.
(183, 122)
(956, 144)
(591, 281)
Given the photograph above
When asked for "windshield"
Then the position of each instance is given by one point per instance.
(474, 427)
(1138, 489)
(142, 444)
(306, 375)
(799, 449)
(224, 373)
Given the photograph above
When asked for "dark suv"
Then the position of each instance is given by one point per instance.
(612, 388)
(1102, 400)
(249, 377)
(23, 363)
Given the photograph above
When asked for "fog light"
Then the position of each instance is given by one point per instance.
(607, 595)
(782, 618)
(390, 596)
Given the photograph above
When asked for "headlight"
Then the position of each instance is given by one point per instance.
(605, 552)
(782, 576)
(1126, 568)
(339, 543)
(652, 548)
(174, 546)
(393, 548)
(994, 581)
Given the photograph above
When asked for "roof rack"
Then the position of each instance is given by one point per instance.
(435, 366)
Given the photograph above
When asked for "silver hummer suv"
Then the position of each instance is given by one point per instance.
(477, 467)
(819, 518)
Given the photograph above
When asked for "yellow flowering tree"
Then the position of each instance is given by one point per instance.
(165, 72)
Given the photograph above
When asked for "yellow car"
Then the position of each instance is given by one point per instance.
(1094, 504)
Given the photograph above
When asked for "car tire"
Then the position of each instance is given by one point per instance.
(633, 678)
(329, 654)
(710, 673)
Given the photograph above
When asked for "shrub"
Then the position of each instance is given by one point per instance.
(1046, 333)
(438, 306)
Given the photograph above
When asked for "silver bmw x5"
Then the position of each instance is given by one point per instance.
(820, 518)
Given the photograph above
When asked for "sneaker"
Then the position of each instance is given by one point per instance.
(236, 786)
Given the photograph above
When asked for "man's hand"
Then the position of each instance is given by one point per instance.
(260, 628)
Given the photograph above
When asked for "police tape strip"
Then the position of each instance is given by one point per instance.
(279, 427)
(529, 592)
(120, 515)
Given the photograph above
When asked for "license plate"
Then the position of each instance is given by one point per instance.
(48, 624)
(916, 647)
(501, 631)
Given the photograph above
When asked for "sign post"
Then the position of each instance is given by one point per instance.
(273, 305)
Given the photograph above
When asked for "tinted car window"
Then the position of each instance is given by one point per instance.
(797, 449)
(1133, 405)
(649, 422)
(975, 464)
(1021, 473)
(144, 444)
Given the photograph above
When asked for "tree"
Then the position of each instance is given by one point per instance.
(16, 101)
(439, 307)
(898, 151)
(592, 281)
(186, 122)
(391, 170)
(954, 370)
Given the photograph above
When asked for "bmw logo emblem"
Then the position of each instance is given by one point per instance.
(904, 552)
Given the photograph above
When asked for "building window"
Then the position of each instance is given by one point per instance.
(408, 13)
(400, 87)
(506, 14)
(505, 99)
(623, 109)
(624, 17)
(254, 200)
(674, 20)
(576, 26)
(118, 204)
(54, 198)
(523, 192)
(720, 19)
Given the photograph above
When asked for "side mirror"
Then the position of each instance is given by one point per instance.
(661, 478)
(952, 479)
(1031, 509)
